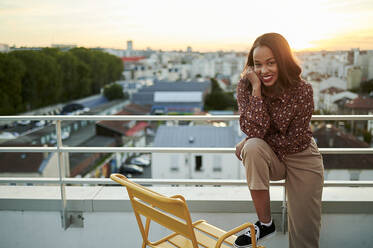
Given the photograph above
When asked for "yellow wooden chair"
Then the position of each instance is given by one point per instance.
(173, 213)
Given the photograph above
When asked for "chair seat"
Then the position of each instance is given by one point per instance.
(206, 235)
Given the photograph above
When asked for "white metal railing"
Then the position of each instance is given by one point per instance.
(150, 181)
(60, 148)
(163, 150)
(62, 181)
(166, 117)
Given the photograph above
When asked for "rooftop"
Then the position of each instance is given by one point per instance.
(25, 162)
(360, 103)
(101, 216)
(117, 126)
(194, 136)
(177, 86)
(329, 136)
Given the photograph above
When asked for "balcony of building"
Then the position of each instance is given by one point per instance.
(81, 212)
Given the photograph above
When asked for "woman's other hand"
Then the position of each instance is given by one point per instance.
(239, 147)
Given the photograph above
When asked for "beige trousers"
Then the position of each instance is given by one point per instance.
(304, 177)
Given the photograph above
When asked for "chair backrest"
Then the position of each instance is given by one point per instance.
(170, 212)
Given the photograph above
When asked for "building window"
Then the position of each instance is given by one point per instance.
(216, 167)
(354, 175)
(76, 126)
(198, 163)
(174, 166)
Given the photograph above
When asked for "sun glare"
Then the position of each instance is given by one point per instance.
(301, 45)
(206, 25)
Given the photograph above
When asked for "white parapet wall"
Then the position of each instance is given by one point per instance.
(30, 215)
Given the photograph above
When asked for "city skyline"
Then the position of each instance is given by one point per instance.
(174, 25)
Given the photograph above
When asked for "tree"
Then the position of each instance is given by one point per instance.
(103, 68)
(218, 99)
(215, 85)
(114, 91)
(367, 136)
(41, 84)
(32, 79)
(12, 71)
(75, 77)
(99, 66)
(114, 69)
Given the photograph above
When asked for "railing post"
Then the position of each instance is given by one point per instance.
(284, 210)
(61, 173)
(190, 163)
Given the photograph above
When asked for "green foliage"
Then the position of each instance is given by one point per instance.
(76, 81)
(348, 126)
(114, 91)
(218, 99)
(367, 135)
(103, 68)
(11, 73)
(33, 79)
(41, 84)
(215, 86)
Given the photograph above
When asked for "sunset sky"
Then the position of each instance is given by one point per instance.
(176, 24)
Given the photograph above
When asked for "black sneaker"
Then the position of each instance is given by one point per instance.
(262, 233)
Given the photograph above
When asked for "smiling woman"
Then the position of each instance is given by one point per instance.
(275, 106)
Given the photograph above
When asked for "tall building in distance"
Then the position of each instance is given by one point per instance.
(129, 51)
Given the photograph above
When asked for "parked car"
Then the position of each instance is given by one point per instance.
(64, 135)
(8, 135)
(73, 109)
(5, 126)
(130, 169)
(40, 123)
(140, 161)
(24, 122)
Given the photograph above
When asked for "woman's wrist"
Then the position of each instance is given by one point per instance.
(256, 92)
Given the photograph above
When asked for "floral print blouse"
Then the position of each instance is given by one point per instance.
(283, 121)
